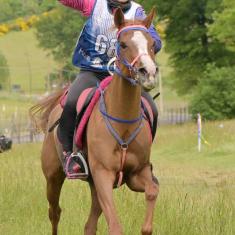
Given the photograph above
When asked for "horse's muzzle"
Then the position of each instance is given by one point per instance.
(147, 81)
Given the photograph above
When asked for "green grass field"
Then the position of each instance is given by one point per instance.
(196, 193)
(26, 61)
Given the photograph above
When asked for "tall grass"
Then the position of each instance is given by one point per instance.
(196, 193)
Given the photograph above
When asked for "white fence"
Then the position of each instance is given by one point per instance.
(19, 129)
(175, 116)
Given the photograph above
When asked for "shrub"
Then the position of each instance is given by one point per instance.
(4, 28)
(22, 24)
(32, 20)
(214, 97)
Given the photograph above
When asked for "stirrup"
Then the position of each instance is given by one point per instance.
(80, 160)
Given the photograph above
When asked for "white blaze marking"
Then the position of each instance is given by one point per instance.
(141, 43)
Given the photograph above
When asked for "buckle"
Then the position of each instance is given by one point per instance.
(124, 146)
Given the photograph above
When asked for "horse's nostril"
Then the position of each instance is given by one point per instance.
(142, 70)
(157, 69)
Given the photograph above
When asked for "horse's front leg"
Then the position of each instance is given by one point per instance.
(95, 212)
(104, 181)
(143, 182)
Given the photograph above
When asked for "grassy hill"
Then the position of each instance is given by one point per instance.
(196, 189)
(26, 61)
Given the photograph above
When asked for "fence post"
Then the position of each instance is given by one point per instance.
(172, 116)
(18, 128)
(199, 131)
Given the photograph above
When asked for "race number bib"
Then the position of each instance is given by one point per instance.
(104, 45)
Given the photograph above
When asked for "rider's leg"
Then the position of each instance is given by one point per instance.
(85, 79)
(149, 98)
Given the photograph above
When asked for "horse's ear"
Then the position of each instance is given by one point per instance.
(118, 17)
(149, 19)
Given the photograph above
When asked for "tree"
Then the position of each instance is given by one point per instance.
(188, 43)
(148, 4)
(214, 97)
(9, 9)
(224, 22)
(4, 71)
(12, 9)
(58, 33)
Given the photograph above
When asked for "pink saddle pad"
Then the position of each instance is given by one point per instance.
(82, 98)
(82, 125)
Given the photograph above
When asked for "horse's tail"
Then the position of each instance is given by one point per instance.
(39, 113)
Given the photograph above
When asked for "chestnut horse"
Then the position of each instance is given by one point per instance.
(109, 158)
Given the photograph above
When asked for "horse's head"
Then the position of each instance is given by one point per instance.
(135, 49)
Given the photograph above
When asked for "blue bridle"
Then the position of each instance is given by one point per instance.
(102, 106)
(130, 66)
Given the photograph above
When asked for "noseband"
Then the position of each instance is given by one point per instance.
(130, 66)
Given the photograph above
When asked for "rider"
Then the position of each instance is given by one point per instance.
(94, 49)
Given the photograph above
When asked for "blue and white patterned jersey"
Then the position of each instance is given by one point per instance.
(97, 42)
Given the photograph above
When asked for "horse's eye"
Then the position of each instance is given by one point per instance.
(123, 45)
(153, 46)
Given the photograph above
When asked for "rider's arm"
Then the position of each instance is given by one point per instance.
(140, 14)
(84, 6)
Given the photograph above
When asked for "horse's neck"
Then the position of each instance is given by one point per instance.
(123, 99)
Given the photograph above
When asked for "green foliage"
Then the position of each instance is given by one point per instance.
(58, 33)
(12, 9)
(188, 43)
(46, 5)
(147, 4)
(224, 23)
(4, 70)
(214, 97)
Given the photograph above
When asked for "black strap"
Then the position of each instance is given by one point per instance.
(155, 96)
(54, 125)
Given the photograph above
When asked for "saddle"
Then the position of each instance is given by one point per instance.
(87, 101)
